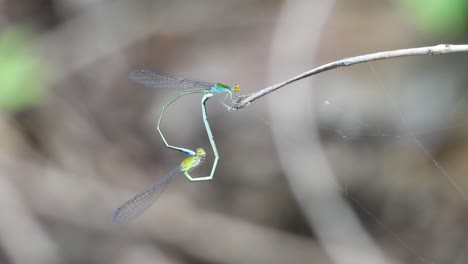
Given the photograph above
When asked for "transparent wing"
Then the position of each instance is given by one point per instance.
(154, 80)
(138, 204)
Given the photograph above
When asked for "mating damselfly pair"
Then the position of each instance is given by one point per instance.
(138, 204)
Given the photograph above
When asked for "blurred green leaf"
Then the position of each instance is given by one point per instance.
(22, 79)
(441, 17)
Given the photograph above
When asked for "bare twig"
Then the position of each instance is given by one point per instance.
(433, 50)
(315, 187)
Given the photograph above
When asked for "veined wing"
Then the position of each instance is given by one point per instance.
(154, 80)
(142, 201)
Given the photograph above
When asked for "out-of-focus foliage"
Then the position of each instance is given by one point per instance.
(21, 77)
(441, 17)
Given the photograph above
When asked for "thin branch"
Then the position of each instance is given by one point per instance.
(434, 50)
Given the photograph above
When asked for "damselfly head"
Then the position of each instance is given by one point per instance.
(236, 88)
(201, 152)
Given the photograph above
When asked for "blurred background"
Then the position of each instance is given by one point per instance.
(366, 164)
